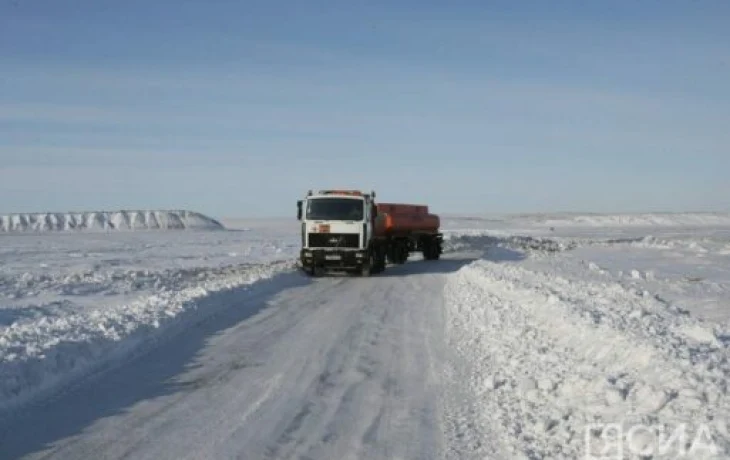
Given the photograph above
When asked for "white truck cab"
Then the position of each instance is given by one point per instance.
(337, 229)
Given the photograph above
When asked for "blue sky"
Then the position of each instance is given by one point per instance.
(236, 108)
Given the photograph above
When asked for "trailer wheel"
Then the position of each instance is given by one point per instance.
(401, 252)
(404, 252)
(431, 249)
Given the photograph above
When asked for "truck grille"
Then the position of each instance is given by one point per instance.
(334, 240)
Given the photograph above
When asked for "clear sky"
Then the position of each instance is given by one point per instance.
(236, 108)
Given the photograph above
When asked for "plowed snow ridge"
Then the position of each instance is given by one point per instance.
(633, 220)
(105, 221)
(550, 355)
(40, 355)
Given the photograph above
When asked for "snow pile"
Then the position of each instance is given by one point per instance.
(99, 285)
(481, 240)
(633, 220)
(105, 221)
(549, 358)
(684, 270)
(44, 350)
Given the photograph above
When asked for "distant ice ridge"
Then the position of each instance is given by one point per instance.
(107, 221)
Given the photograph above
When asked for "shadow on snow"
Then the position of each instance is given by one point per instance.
(143, 377)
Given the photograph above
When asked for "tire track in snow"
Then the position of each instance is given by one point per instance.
(357, 405)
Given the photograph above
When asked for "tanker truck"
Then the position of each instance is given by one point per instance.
(347, 231)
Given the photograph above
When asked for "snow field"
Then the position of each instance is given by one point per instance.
(42, 353)
(549, 356)
(555, 330)
(600, 222)
(639, 220)
(71, 303)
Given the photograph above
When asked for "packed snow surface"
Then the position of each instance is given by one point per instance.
(527, 340)
(105, 221)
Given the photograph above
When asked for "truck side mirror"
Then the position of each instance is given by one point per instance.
(299, 210)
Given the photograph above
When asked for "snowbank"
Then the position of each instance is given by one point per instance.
(550, 357)
(481, 241)
(106, 221)
(43, 352)
(633, 220)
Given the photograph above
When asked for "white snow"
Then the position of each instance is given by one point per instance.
(560, 328)
(572, 352)
(524, 337)
(559, 220)
(688, 266)
(52, 348)
(72, 303)
(328, 369)
(106, 221)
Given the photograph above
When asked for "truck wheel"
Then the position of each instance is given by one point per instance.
(426, 250)
(398, 253)
(393, 255)
(438, 248)
(368, 267)
(379, 262)
(431, 250)
(401, 253)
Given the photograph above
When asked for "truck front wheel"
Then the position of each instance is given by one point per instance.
(368, 267)
(310, 270)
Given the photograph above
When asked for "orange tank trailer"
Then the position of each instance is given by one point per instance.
(394, 219)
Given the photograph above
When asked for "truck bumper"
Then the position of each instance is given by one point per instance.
(332, 259)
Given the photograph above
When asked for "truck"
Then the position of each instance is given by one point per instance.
(347, 231)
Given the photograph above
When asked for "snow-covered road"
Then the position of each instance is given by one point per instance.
(333, 368)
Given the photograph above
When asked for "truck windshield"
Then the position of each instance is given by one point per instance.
(335, 209)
